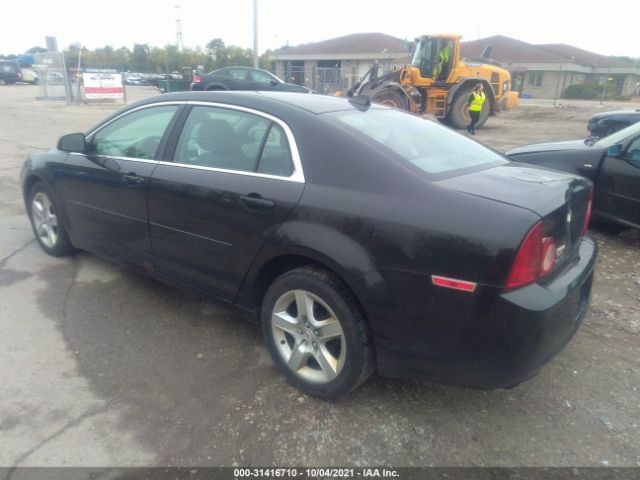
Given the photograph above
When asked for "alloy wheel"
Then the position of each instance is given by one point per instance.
(308, 336)
(45, 220)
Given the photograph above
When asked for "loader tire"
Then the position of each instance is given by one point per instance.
(392, 98)
(458, 116)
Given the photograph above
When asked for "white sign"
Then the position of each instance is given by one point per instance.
(102, 85)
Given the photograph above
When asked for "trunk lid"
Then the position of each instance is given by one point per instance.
(560, 199)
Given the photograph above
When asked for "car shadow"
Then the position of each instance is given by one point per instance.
(195, 384)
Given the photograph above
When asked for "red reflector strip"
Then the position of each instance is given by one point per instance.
(453, 283)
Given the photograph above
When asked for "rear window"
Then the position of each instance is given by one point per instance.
(431, 147)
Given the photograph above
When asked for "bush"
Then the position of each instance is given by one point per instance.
(622, 98)
(589, 91)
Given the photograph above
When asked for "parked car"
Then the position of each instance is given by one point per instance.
(606, 123)
(611, 163)
(29, 76)
(244, 78)
(9, 72)
(134, 79)
(361, 238)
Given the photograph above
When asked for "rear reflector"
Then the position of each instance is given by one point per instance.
(453, 283)
(196, 79)
(587, 217)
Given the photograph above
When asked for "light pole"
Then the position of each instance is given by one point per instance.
(255, 34)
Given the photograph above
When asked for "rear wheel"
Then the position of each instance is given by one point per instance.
(391, 98)
(458, 116)
(47, 224)
(316, 333)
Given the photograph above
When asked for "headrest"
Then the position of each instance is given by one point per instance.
(216, 135)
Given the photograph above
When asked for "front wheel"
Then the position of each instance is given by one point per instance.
(316, 332)
(391, 98)
(46, 222)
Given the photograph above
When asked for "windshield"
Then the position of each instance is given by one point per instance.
(429, 146)
(423, 58)
(618, 137)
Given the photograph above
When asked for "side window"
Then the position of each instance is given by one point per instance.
(136, 135)
(276, 155)
(261, 77)
(239, 74)
(221, 138)
(633, 152)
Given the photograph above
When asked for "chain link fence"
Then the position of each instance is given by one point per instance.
(52, 77)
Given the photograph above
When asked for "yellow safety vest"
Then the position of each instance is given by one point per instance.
(476, 103)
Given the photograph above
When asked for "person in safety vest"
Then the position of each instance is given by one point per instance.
(476, 102)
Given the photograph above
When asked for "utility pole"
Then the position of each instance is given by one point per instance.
(255, 34)
(179, 42)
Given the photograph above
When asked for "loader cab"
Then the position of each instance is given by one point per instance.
(434, 57)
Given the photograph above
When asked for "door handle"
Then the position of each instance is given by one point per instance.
(132, 179)
(254, 201)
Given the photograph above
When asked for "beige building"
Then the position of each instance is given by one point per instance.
(538, 71)
(337, 63)
(545, 71)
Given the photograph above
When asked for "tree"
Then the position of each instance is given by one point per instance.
(140, 60)
(36, 50)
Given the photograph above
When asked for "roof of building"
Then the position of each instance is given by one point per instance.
(356, 43)
(506, 49)
(581, 56)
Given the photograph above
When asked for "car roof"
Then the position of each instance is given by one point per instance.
(617, 112)
(263, 100)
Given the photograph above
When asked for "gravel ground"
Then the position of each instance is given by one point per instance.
(103, 367)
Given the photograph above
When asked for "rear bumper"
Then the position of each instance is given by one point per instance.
(506, 337)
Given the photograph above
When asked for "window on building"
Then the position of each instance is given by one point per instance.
(535, 79)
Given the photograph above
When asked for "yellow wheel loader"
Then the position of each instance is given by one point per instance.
(440, 83)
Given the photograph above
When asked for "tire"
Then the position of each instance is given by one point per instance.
(391, 98)
(46, 222)
(458, 116)
(327, 355)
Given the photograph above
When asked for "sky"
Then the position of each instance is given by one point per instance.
(607, 27)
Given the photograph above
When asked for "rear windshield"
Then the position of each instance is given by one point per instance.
(431, 147)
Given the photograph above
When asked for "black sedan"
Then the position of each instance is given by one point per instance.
(611, 163)
(606, 123)
(361, 238)
(244, 78)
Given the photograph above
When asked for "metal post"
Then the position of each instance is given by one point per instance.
(604, 87)
(255, 34)
(79, 73)
(558, 85)
(65, 78)
(124, 85)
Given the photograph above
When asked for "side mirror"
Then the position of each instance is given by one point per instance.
(73, 142)
(614, 151)
(273, 83)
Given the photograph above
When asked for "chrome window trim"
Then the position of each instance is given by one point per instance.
(297, 176)
(131, 159)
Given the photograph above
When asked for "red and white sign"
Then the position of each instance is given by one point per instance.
(103, 85)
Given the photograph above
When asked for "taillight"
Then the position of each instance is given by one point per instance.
(587, 216)
(196, 79)
(535, 258)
